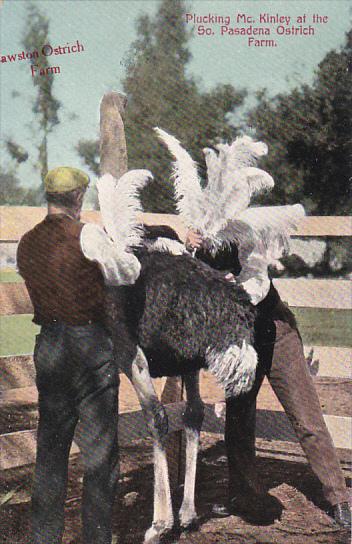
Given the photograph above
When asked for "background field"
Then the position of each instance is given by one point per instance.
(317, 326)
(320, 327)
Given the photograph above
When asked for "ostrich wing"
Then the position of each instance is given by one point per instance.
(232, 180)
(119, 205)
(262, 235)
(187, 183)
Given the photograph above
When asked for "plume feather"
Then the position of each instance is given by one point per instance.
(119, 205)
(187, 182)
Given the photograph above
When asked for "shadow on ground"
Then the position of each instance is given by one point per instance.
(291, 485)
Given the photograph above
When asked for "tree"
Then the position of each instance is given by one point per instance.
(161, 93)
(16, 151)
(45, 106)
(89, 151)
(309, 133)
(12, 193)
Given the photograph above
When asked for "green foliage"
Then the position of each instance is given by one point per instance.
(12, 193)
(89, 151)
(161, 93)
(16, 151)
(10, 190)
(45, 106)
(309, 135)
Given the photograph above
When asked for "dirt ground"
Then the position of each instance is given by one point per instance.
(298, 515)
(300, 500)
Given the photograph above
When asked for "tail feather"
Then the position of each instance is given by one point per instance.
(234, 369)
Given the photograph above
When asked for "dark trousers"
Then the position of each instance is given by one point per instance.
(282, 360)
(77, 381)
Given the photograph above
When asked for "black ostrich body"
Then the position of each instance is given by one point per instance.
(180, 315)
(179, 308)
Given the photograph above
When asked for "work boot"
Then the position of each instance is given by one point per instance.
(262, 509)
(341, 514)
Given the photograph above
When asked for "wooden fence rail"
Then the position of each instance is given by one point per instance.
(17, 387)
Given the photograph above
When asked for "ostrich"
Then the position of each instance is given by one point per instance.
(181, 315)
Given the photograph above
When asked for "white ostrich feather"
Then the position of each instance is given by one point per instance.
(119, 205)
(240, 178)
(166, 245)
(234, 368)
(233, 178)
(249, 181)
(258, 180)
(213, 171)
(247, 150)
(262, 236)
(277, 218)
(264, 230)
(187, 183)
(233, 182)
(212, 219)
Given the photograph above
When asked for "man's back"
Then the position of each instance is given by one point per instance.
(63, 285)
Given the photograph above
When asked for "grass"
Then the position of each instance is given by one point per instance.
(322, 327)
(10, 276)
(318, 327)
(17, 333)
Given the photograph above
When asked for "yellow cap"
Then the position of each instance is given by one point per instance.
(64, 179)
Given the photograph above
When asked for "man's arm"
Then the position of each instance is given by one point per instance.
(186, 235)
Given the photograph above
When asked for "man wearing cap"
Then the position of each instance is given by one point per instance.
(65, 271)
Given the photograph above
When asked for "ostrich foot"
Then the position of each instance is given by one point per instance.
(188, 519)
(189, 527)
(158, 530)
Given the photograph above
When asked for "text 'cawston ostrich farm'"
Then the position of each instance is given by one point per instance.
(46, 50)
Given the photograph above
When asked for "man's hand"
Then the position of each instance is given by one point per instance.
(194, 240)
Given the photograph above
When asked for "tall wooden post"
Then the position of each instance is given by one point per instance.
(113, 151)
(113, 160)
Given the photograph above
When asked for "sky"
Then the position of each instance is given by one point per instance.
(106, 29)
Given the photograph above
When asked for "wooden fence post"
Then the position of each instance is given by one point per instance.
(175, 448)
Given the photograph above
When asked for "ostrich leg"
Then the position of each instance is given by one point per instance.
(193, 419)
(156, 419)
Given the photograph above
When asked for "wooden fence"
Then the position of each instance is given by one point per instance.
(18, 392)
